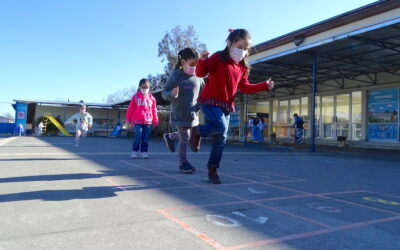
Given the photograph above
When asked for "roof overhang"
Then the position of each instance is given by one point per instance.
(363, 55)
(62, 103)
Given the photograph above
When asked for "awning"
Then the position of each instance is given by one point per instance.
(352, 60)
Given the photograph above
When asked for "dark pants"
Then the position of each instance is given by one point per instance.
(216, 126)
(298, 136)
(183, 136)
(142, 135)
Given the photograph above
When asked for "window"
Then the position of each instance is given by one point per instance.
(304, 108)
(356, 115)
(294, 109)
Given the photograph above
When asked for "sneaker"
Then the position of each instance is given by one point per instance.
(170, 143)
(213, 175)
(186, 168)
(145, 156)
(134, 155)
(195, 139)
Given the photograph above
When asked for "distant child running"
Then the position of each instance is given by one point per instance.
(142, 113)
(227, 71)
(182, 89)
(84, 122)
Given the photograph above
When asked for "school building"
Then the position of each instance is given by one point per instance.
(30, 113)
(343, 73)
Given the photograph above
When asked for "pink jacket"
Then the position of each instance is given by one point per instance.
(142, 109)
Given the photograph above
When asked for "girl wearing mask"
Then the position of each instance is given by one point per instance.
(227, 71)
(182, 89)
(142, 113)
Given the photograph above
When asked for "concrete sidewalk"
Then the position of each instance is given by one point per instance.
(56, 196)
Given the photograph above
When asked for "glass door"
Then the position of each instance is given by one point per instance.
(339, 115)
(342, 118)
(328, 115)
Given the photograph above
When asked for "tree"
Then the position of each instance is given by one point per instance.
(8, 115)
(168, 48)
(121, 95)
(174, 41)
(157, 81)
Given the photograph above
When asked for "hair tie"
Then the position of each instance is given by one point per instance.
(230, 30)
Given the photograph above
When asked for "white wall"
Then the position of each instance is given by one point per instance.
(66, 112)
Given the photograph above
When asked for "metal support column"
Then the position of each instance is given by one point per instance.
(246, 100)
(119, 115)
(107, 123)
(314, 90)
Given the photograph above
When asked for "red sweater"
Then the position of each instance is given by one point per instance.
(223, 80)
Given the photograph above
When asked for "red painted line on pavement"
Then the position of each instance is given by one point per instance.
(298, 216)
(389, 195)
(183, 187)
(192, 230)
(361, 205)
(280, 239)
(313, 233)
(368, 222)
(258, 200)
(339, 200)
(245, 179)
(115, 184)
(241, 200)
(229, 195)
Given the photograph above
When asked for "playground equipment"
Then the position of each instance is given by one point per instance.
(47, 117)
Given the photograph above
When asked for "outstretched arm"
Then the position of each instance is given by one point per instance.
(246, 87)
(74, 117)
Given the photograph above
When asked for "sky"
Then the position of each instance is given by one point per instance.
(87, 49)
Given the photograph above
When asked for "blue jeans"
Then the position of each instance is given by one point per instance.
(142, 135)
(216, 126)
(255, 131)
(298, 137)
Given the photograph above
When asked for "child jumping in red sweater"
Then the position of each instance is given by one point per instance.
(227, 71)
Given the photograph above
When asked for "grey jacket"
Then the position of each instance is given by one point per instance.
(184, 108)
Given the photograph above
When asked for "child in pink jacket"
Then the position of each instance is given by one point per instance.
(142, 112)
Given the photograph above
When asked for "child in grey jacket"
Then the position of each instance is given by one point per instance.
(182, 89)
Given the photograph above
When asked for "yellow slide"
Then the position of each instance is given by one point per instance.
(58, 125)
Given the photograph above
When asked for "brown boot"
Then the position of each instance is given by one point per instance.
(195, 139)
(213, 175)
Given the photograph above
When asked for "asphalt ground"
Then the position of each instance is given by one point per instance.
(57, 196)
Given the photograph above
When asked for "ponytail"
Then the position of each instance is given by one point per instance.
(186, 54)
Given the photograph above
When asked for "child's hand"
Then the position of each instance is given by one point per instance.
(204, 54)
(270, 83)
(175, 92)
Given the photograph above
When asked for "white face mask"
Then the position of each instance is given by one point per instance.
(237, 54)
(144, 91)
